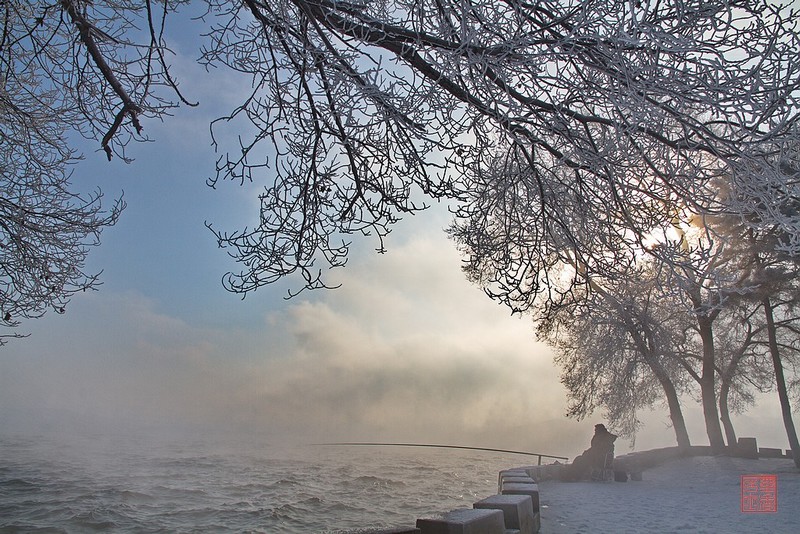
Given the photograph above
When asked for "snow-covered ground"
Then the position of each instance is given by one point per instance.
(698, 494)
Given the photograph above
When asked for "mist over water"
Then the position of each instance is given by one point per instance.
(230, 484)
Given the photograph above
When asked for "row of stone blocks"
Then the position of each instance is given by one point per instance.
(748, 448)
(514, 510)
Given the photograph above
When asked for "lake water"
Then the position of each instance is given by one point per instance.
(111, 483)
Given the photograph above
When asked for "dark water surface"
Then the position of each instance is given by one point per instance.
(112, 483)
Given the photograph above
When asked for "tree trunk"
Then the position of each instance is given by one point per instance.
(707, 387)
(675, 412)
(676, 415)
(780, 381)
(726, 380)
(725, 415)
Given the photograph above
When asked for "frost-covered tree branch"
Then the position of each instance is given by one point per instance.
(359, 109)
(360, 113)
(66, 67)
(46, 231)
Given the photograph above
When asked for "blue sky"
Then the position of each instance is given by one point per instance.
(406, 350)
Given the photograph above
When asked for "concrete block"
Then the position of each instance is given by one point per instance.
(515, 480)
(518, 472)
(524, 489)
(540, 473)
(747, 448)
(769, 452)
(519, 480)
(464, 521)
(530, 470)
(517, 510)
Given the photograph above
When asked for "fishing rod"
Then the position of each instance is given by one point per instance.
(428, 445)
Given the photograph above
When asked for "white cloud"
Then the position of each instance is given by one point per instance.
(424, 356)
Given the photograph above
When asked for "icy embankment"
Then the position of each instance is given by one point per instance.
(697, 494)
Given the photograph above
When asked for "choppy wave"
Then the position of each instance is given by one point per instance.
(101, 485)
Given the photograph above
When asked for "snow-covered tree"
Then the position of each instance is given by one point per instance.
(617, 347)
(762, 199)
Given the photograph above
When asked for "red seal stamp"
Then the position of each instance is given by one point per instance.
(759, 494)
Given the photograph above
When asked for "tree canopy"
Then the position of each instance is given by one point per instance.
(359, 110)
(597, 110)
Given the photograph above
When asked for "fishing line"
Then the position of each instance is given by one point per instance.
(428, 445)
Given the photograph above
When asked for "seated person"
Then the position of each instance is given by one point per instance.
(599, 456)
(602, 449)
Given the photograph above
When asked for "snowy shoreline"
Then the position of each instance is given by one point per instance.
(692, 494)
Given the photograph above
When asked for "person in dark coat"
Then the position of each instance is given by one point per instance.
(602, 447)
(598, 457)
